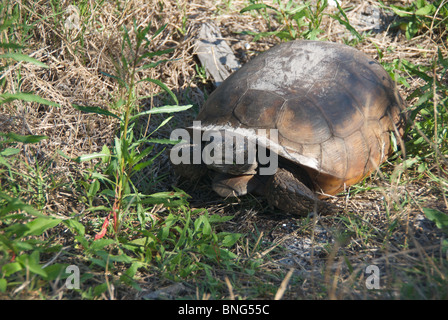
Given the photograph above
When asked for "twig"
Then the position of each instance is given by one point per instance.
(281, 290)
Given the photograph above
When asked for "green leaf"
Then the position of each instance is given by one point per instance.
(220, 219)
(203, 224)
(142, 165)
(106, 256)
(105, 150)
(96, 110)
(15, 204)
(230, 239)
(438, 217)
(164, 109)
(94, 188)
(88, 157)
(128, 276)
(412, 29)
(3, 285)
(414, 69)
(100, 244)
(102, 177)
(120, 81)
(118, 148)
(100, 289)
(31, 262)
(257, 6)
(141, 32)
(142, 154)
(166, 202)
(10, 268)
(345, 22)
(445, 245)
(163, 86)
(22, 245)
(23, 139)
(39, 225)
(400, 11)
(55, 271)
(25, 96)
(23, 57)
(163, 123)
(76, 226)
(426, 10)
(128, 42)
(159, 30)
(10, 45)
(107, 192)
(9, 152)
(149, 55)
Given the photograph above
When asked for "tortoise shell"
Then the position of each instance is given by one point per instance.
(333, 107)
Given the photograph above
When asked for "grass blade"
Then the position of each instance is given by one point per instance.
(164, 109)
(164, 87)
(96, 110)
(88, 157)
(11, 45)
(159, 30)
(23, 139)
(345, 22)
(257, 6)
(23, 57)
(25, 96)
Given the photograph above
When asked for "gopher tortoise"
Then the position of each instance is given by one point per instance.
(325, 110)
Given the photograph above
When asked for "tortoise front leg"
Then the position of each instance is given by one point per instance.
(285, 191)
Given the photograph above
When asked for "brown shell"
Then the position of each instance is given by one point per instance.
(333, 106)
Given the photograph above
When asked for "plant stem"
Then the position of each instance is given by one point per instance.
(123, 175)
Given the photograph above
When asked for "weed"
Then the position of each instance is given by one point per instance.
(125, 159)
(20, 222)
(420, 16)
(297, 20)
(180, 244)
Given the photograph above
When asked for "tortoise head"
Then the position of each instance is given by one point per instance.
(229, 152)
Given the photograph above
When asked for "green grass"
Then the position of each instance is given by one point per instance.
(296, 21)
(170, 242)
(420, 17)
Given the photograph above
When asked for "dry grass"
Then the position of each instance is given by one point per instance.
(381, 221)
